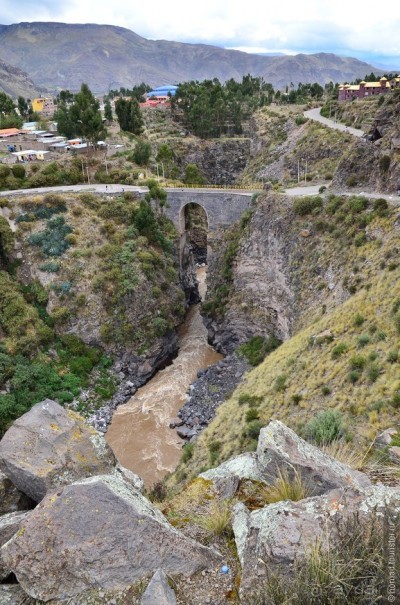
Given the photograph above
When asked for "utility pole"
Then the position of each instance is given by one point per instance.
(88, 179)
(305, 173)
(298, 171)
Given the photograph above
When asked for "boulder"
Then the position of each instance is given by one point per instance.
(50, 446)
(384, 439)
(280, 448)
(9, 525)
(272, 538)
(11, 499)
(98, 532)
(12, 594)
(158, 591)
(227, 476)
(394, 454)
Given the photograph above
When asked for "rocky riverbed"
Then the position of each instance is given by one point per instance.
(207, 392)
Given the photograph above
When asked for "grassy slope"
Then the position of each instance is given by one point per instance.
(305, 367)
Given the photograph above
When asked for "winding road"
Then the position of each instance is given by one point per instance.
(315, 114)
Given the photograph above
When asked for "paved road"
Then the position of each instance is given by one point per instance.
(71, 188)
(315, 114)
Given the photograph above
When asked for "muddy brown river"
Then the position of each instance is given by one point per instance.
(139, 433)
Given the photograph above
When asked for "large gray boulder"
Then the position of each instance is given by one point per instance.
(50, 446)
(270, 539)
(12, 594)
(158, 591)
(9, 525)
(280, 448)
(227, 476)
(98, 532)
(11, 499)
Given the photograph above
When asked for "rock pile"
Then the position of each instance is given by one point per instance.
(93, 533)
(92, 526)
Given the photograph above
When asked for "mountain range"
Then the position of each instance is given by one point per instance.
(62, 56)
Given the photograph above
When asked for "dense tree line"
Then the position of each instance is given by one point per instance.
(137, 92)
(210, 109)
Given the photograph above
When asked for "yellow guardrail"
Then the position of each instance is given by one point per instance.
(249, 187)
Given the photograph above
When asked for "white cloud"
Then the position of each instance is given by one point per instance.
(291, 26)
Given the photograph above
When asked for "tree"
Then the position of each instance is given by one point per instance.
(82, 118)
(193, 175)
(156, 193)
(23, 107)
(65, 125)
(86, 116)
(6, 104)
(65, 96)
(165, 156)
(129, 115)
(142, 153)
(108, 111)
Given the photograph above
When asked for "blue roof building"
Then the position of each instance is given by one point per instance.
(162, 91)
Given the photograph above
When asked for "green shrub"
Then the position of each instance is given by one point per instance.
(357, 362)
(339, 350)
(358, 320)
(7, 238)
(253, 429)
(373, 372)
(360, 239)
(251, 415)
(280, 383)
(257, 348)
(357, 204)
(381, 206)
(307, 205)
(354, 376)
(363, 341)
(326, 426)
(251, 400)
(187, 452)
(18, 171)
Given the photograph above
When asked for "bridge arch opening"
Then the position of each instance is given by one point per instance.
(194, 227)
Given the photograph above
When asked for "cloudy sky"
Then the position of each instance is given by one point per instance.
(344, 27)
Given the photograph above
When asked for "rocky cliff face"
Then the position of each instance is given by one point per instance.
(267, 294)
(374, 165)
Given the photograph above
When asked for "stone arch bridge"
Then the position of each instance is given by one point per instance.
(222, 207)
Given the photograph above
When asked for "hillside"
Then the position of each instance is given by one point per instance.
(15, 82)
(97, 288)
(107, 57)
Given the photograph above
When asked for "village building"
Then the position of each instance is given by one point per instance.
(5, 133)
(347, 92)
(45, 106)
(29, 155)
(159, 96)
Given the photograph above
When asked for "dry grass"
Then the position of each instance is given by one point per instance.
(218, 521)
(288, 486)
